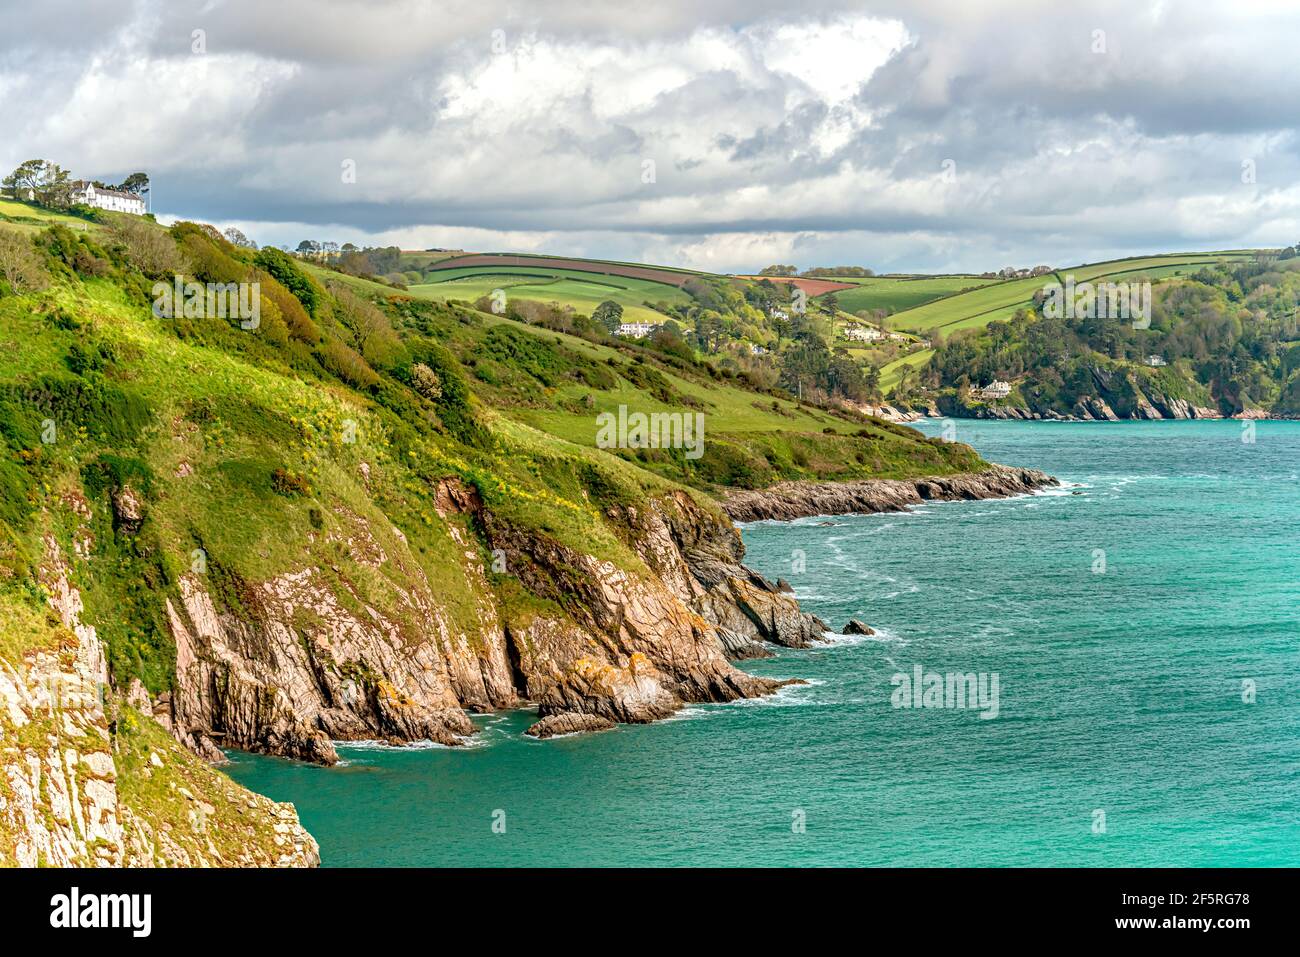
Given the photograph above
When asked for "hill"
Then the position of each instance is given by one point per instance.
(1000, 300)
(581, 290)
(1220, 340)
(899, 293)
(354, 513)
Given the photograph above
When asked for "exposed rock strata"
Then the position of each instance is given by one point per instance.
(791, 500)
(63, 802)
(297, 667)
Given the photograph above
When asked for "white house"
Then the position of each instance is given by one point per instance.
(637, 330)
(1156, 361)
(111, 199)
(776, 313)
(862, 333)
(997, 389)
(756, 350)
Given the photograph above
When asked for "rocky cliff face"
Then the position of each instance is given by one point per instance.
(799, 499)
(299, 665)
(1115, 395)
(86, 781)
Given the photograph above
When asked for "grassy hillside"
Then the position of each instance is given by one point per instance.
(1222, 333)
(260, 449)
(1000, 300)
(29, 218)
(897, 293)
(581, 291)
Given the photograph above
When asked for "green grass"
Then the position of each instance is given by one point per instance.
(900, 293)
(28, 218)
(891, 372)
(1000, 300)
(367, 287)
(582, 291)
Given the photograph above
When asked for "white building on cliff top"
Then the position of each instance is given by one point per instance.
(111, 199)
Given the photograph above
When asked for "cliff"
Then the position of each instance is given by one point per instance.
(86, 780)
(298, 668)
(367, 518)
(801, 499)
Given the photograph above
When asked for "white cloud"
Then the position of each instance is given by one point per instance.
(814, 134)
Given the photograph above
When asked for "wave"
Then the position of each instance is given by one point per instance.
(786, 697)
(882, 636)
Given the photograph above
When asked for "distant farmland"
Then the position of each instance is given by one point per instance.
(487, 261)
(579, 289)
(1000, 300)
(813, 287)
(897, 293)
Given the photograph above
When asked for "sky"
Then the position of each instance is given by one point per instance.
(723, 135)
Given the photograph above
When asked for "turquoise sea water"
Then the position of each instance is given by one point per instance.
(1120, 692)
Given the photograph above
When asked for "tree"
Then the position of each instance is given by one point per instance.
(608, 314)
(137, 184)
(308, 247)
(46, 182)
(25, 178)
(236, 237)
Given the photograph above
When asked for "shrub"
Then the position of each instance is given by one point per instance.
(371, 331)
(283, 267)
(147, 248)
(294, 316)
(20, 267)
(426, 382)
(347, 365)
(289, 483)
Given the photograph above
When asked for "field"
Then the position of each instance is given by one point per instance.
(581, 290)
(27, 218)
(774, 437)
(898, 293)
(1000, 300)
(813, 287)
(891, 372)
(497, 261)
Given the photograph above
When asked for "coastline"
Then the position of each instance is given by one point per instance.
(791, 500)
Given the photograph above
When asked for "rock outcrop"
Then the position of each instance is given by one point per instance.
(792, 500)
(568, 723)
(297, 666)
(74, 761)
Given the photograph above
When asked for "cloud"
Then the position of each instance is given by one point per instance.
(818, 134)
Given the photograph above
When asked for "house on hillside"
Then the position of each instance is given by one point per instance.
(776, 313)
(111, 199)
(756, 350)
(997, 389)
(637, 330)
(862, 333)
(1156, 362)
